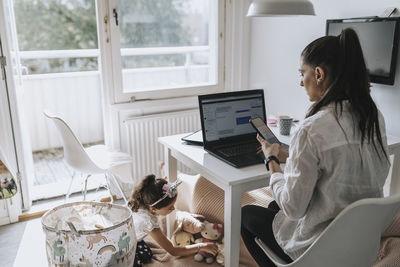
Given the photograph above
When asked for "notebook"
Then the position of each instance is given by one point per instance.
(195, 138)
(227, 133)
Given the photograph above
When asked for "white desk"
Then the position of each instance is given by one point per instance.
(233, 181)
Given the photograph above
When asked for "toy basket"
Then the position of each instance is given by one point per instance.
(89, 234)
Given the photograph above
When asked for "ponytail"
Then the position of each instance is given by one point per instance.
(354, 72)
(147, 192)
(136, 199)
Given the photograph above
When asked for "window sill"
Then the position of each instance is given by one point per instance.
(157, 106)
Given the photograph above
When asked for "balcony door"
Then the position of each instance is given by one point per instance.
(57, 67)
(13, 138)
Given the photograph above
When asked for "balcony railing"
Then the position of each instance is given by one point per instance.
(84, 53)
(77, 95)
(90, 53)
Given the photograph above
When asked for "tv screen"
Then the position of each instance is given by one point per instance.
(379, 38)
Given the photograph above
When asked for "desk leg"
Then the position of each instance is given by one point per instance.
(232, 217)
(171, 170)
(395, 177)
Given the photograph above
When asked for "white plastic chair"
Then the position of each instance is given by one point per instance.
(92, 160)
(352, 239)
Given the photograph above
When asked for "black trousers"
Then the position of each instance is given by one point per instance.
(257, 222)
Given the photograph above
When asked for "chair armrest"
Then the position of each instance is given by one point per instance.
(277, 260)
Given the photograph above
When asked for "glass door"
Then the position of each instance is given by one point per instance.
(13, 141)
(58, 51)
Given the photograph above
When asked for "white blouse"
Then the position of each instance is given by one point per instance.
(144, 221)
(327, 170)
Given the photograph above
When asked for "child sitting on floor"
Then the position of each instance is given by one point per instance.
(151, 198)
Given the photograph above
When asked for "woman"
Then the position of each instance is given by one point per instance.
(338, 154)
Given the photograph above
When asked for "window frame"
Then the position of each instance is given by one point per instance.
(110, 60)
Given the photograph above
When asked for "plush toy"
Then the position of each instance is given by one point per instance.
(183, 238)
(221, 253)
(188, 222)
(211, 233)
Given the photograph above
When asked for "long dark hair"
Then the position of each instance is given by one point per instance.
(149, 190)
(342, 59)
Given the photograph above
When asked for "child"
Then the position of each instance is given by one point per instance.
(151, 198)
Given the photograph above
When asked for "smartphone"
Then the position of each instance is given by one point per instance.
(265, 132)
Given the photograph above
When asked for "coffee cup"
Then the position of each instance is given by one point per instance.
(285, 124)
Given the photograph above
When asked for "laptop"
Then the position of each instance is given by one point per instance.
(227, 133)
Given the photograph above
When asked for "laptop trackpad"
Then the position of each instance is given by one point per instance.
(240, 160)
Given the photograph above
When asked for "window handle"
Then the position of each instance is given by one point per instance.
(115, 14)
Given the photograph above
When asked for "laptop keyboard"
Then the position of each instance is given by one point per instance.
(239, 150)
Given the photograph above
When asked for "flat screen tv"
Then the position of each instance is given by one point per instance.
(379, 38)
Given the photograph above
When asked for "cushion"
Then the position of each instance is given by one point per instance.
(388, 255)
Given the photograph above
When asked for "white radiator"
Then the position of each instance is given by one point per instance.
(142, 133)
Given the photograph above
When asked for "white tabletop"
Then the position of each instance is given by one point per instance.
(213, 167)
(210, 166)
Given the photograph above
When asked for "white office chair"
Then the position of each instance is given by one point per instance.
(352, 239)
(93, 160)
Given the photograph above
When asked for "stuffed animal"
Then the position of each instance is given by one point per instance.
(211, 233)
(183, 238)
(188, 222)
(221, 253)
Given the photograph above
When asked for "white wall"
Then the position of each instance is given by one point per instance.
(276, 44)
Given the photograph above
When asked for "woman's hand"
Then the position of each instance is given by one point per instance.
(211, 248)
(269, 149)
(283, 155)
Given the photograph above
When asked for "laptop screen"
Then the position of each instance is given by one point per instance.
(227, 115)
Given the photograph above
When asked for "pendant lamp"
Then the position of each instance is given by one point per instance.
(267, 8)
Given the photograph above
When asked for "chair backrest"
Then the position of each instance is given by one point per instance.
(353, 237)
(74, 153)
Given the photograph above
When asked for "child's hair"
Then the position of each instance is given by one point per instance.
(149, 190)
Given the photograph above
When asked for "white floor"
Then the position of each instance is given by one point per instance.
(32, 249)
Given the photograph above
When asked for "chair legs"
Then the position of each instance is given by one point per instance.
(69, 187)
(108, 175)
(112, 176)
(85, 190)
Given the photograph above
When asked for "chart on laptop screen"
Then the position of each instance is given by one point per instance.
(229, 116)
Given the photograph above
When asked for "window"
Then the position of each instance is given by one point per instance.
(164, 48)
(56, 36)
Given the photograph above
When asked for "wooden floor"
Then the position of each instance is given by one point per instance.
(50, 167)
(53, 175)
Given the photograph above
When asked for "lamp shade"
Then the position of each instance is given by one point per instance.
(265, 8)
